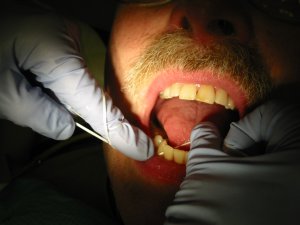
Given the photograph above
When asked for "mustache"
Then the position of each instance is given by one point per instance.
(225, 59)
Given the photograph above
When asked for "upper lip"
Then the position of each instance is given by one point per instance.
(168, 77)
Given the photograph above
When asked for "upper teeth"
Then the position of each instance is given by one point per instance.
(202, 93)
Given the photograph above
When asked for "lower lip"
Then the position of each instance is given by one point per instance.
(162, 171)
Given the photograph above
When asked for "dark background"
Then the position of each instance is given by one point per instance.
(97, 13)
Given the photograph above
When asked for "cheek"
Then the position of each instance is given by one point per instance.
(138, 200)
(120, 167)
(283, 62)
(279, 46)
(133, 29)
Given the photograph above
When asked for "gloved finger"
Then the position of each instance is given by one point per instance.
(276, 125)
(28, 106)
(79, 91)
(97, 109)
(205, 142)
(243, 134)
(206, 136)
(128, 139)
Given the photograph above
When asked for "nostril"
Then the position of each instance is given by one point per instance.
(185, 24)
(221, 27)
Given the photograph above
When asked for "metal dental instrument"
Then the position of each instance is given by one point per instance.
(90, 132)
(184, 144)
(77, 117)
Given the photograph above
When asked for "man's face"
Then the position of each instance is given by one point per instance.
(175, 65)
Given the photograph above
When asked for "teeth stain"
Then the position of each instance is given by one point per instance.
(168, 152)
(199, 92)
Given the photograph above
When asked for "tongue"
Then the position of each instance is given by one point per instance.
(179, 117)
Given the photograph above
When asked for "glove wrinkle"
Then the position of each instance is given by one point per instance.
(227, 190)
(48, 46)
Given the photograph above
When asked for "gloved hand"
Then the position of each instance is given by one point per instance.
(262, 189)
(48, 47)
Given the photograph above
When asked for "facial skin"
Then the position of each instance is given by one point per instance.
(269, 56)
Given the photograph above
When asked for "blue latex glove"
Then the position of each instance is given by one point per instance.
(48, 47)
(261, 189)
(275, 125)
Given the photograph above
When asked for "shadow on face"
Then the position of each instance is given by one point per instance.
(139, 199)
(142, 199)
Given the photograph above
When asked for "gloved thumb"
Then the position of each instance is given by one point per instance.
(206, 144)
(206, 136)
(28, 106)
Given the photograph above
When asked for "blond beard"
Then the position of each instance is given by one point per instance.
(226, 60)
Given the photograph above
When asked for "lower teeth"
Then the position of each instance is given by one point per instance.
(169, 153)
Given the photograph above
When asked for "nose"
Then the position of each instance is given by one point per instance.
(212, 20)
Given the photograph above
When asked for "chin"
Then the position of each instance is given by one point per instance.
(139, 198)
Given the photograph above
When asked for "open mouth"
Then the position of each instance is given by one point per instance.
(177, 102)
(180, 107)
